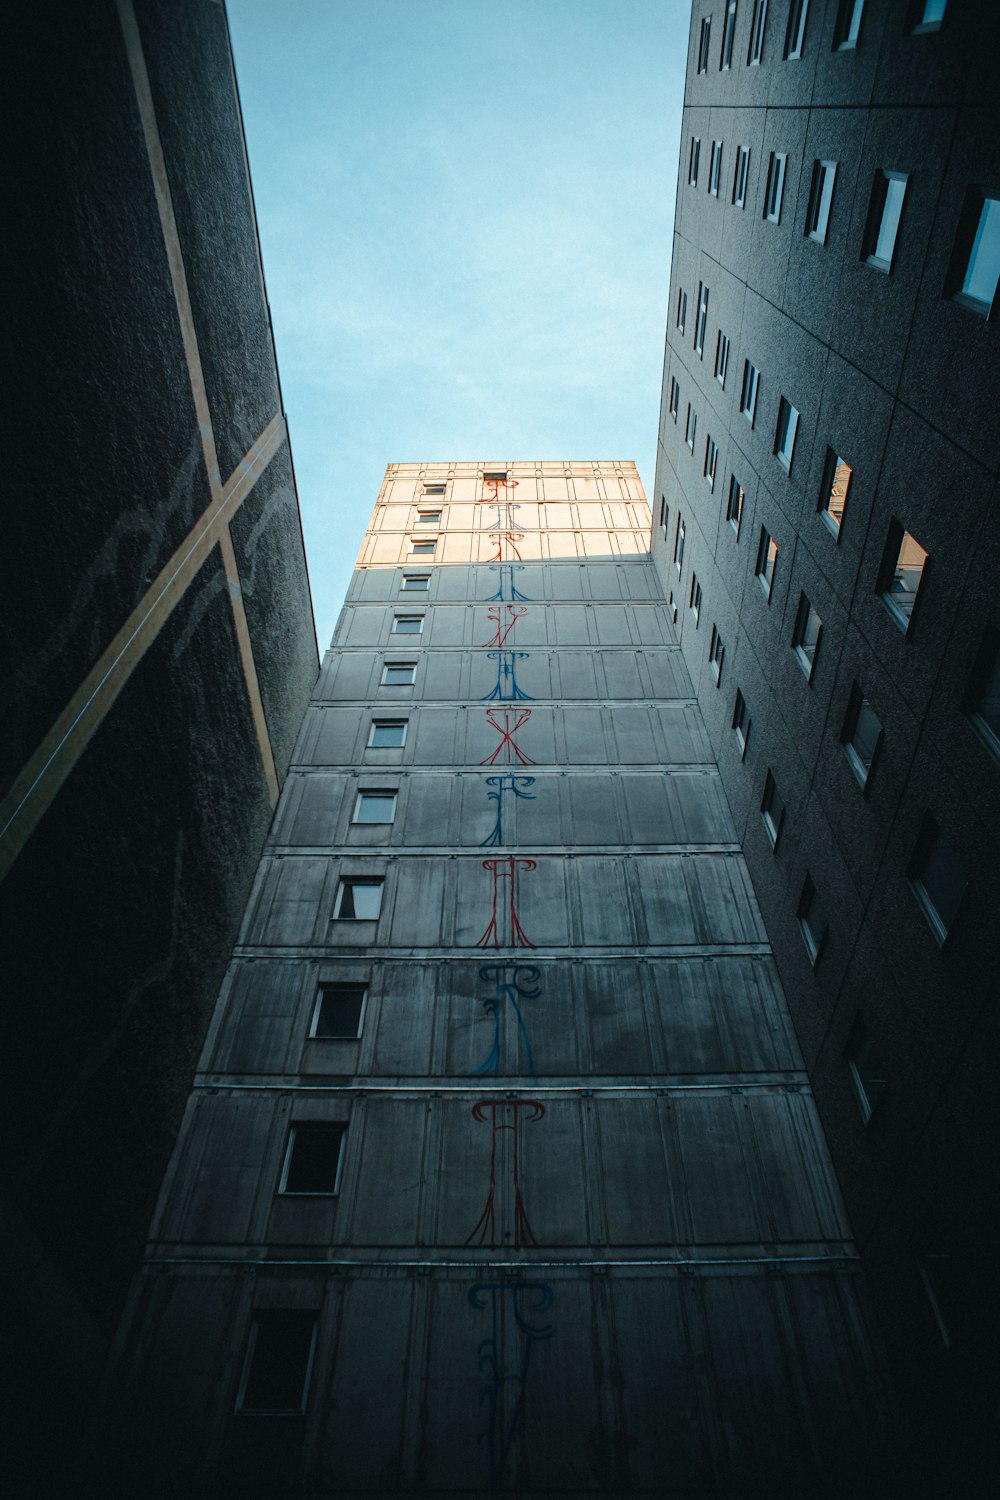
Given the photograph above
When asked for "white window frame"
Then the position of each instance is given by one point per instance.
(415, 583)
(775, 191)
(384, 794)
(410, 665)
(377, 881)
(386, 723)
(741, 176)
(824, 177)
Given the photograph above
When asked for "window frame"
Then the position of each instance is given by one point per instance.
(787, 424)
(334, 987)
(967, 237)
(984, 680)
(694, 159)
(716, 655)
(765, 561)
(734, 512)
(695, 599)
(704, 45)
(805, 614)
(741, 722)
(772, 810)
(316, 1127)
(682, 304)
(889, 570)
(398, 665)
(690, 427)
(701, 320)
(728, 36)
(930, 838)
(877, 205)
(680, 536)
(749, 391)
(715, 168)
(398, 619)
(383, 794)
(813, 936)
(353, 881)
(758, 23)
(774, 192)
(386, 724)
(428, 517)
(721, 358)
(832, 466)
(674, 404)
(795, 33)
(858, 1043)
(711, 460)
(259, 1318)
(434, 488)
(820, 200)
(741, 176)
(847, 25)
(415, 583)
(861, 769)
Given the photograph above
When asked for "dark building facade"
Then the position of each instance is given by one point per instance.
(825, 525)
(501, 1172)
(157, 642)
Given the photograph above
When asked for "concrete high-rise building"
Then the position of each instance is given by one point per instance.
(825, 526)
(158, 651)
(501, 1170)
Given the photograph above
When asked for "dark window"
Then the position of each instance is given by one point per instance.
(975, 264)
(728, 35)
(694, 600)
(758, 21)
(278, 1363)
(785, 432)
(867, 1073)
(939, 879)
(693, 160)
(690, 426)
(312, 1159)
(675, 398)
(721, 358)
(772, 810)
(982, 701)
(701, 321)
(679, 536)
(664, 515)
(885, 212)
(740, 176)
(387, 734)
(716, 655)
(833, 491)
(359, 899)
(861, 735)
(775, 190)
(848, 25)
(715, 168)
(711, 460)
(339, 1008)
(741, 723)
(734, 504)
(904, 564)
(812, 921)
(704, 42)
(927, 15)
(796, 34)
(748, 391)
(805, 636)
(495, 475)
(820, 199)
(767, 558)
(682, 310)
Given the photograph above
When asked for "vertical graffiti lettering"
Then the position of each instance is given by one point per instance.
(503, 1390)
(503, 785)
(504, 626)
(504, 1117)
(506, 545)
(507, 589)
(508, 746)
(506, 690)
(503, 914)
(512, 984)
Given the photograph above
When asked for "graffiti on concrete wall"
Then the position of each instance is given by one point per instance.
(504, 1219)
(507, 589)
(504, 617)
(508, 746)
(504, 930)
(510, 985)
(506, 689)
(514, 1311)
(504, 786)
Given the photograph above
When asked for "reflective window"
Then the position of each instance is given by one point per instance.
(359, 898)
(805, 637)
(701, 321)
(693, 161)
(728, 35)
(748, 391)
(734, 504)
(784, 433)
(682, 310)
(848, 25)
(434, 489)
(927, 15)
(975, 270)
(833, 491)
(715, 168)
(721, 358)
(675, 398)
(711, 460)
(861, 735)
(399, 673)
(338, 1011)
(375, 807)
(820, 199)
(903, 565)
(796, 34)
(679, 536)
(694, 600)
(407, 624)
(416, 583)
(690, 426)
(758, 21)
(716, 655)
(767, 557)
(422, 548)
(704, 42)
(428, 518)
(387, 734)
(884, 213)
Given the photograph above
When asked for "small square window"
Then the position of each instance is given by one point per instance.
(434, 489)
(812, 921)
(748, 391)
(767, 558)
(375, 807)
(796, 34)
(728, 36)
(711, 460)
(693, 161)
(428, 518)
(682, 309)
(927, 15)
(861, 736)
(421, 548)
(690, 426)
(399, 674)
(805, 636)
(278, 1363)
(704, 42)
(833, 491)
(758, 21)
(939, 879)
(848, 24)
(740, 175)
(721, 358)
(734, 504)
(824, 175)
(715, 168)
(904, 564)
(416, 583)
(694, 599)
(701, 321)
(775, 186)
(338, 1012)
(716, 655)
(784, 433)
(679, 536)
(982, 701)
(741, 723)
(867, 1073)
(387, 734)
(772, 810)
(407, 624)
(312, 1159)
(675, 398)
(975, 266)
(885, 211)
(359, 899)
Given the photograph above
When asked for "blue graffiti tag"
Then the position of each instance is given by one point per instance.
(504, 784)
(512, 983)
(507, 589)
(506, 690)
(526, 1300)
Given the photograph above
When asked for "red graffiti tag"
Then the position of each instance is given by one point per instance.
(505, 1115)
(508, 745)
(503, 627)
(508, 538)
(504, 869)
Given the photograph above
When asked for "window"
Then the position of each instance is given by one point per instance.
(422, 548)
(690, 426)
(721, 358)
(434, 489)
(927, 15)
(757, 23)
(716, 653)
(901, 575)
(416, 583)
(741, 723)
(693, 161)
(848, 26)
(812, 921)
(982, 702)
(796, 34)
(784, 433)
(312, 1159)
(861, 735)
(359, 898)
(428, 518)
(767, 557)
(805, 636)
(728, 36)
(679, 536)
(338, 1012)
(748, 391)
(407, 624)
(671, 605)
(820, 197)
(734, 504)
(884, 213)
(867, 1074)
(701, 321)
(939, 879)
(740, 175)
(711, 460)
(675, 398)
(703, 43)
(775, 186)
(682, 310)
(375, 807)
(694, 599)
(833, 491)
(278, 1363)
(399, 674)
(715, 168)
(772, 810)
(387, 734)
(664, 515)
(945, 1280)
(494, 476)
(975, 266)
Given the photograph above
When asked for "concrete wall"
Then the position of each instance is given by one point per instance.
(585, 1238)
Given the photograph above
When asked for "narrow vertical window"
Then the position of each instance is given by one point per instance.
(679, 536)
(767, 558)
(982, 701)
(758, 21)
(715, 168)
(741, 723)
(833, 491)
(693, 161)
(805, 636)
(867, 1073)
(885, 211)
(975, 266)
(938, 878)
(734, 504)
(728, 36)
(784, 433)
(694, 600)
(775, 190)
(848, 24)
(740, 175)
(927, 15)
(772, 810)
(704, 43)
(690, 426)
(748, 391)
(901, 575)
(716, 655)
(711, 461)
(812, 921)
(701, 321)
(820, 198)
(796, 34)
(861, 736)
(675, 398)
(721, 358)
(664, 514)
(682, 310)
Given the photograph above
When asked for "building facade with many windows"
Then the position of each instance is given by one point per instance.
(825, 508)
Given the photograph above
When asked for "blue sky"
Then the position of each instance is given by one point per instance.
(465, 211)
